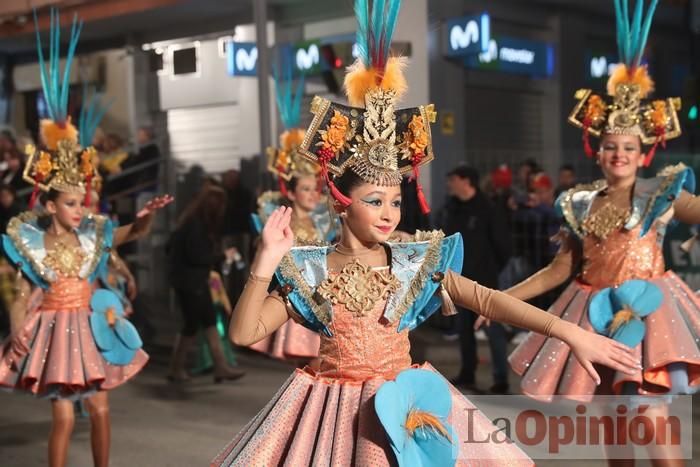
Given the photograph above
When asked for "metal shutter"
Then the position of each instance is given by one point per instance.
(502, 126)
(206, 136)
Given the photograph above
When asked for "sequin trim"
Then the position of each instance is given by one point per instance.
(100, 222)
(13, 232)
(568, 210)
(291, 272)
(432, 258)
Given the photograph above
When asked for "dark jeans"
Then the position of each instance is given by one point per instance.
(498, 342)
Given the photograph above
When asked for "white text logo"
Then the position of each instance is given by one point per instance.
(245, 60)
(308, 59)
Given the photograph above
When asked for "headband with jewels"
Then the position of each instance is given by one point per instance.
(285, 161)
(371, 137)
(627, 111)
(61, 163)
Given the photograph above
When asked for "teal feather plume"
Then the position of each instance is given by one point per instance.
(91, 114)
(54, 86)
(632, 38)
(362, 15)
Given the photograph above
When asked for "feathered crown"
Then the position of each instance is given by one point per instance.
(370, 137)
(62, 164)
(285, 160)
(629, 113)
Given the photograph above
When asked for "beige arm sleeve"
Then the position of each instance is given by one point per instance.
(498, 306)
(687, 208)
(130, 232)
(257, 313)
(18, 310)
(553, 275)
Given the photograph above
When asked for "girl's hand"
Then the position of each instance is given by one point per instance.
(276, 240)
(277, 236)
(590, 348)
(159, 202)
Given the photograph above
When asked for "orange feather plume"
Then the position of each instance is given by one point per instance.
(359, 80)
(639, 76)
(621, 317)
(292, 138)
(417, 419)
(51, 133)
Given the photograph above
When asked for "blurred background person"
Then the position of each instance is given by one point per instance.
(485, 232)
(567, 179)
(195, 249)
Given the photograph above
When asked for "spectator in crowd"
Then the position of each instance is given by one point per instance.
(147, 157)
(521, 187)
(7, 140)
(534, 225)
(485, 233)
(501, 195)
(567, 179)
(237, 227)
(113, 154)
(14, 165)
(9, 207)
(195, 249)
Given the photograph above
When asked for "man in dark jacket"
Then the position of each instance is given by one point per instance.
(486, 251)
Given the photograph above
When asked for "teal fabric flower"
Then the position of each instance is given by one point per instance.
(114, 335)
(413, 410)
(618, 312)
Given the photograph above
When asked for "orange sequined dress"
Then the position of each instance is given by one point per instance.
(670, 350)
(327, 417)
(54, 354)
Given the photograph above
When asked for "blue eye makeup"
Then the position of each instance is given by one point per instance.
(373, 202)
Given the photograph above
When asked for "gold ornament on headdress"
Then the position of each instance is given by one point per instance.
(375, 159)
(371, 137)
(67, 169)
(285, 161)
(628, 112)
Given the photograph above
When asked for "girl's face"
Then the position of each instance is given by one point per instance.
(67, 210)
(374, 213)
(620, 156)
(305, 195)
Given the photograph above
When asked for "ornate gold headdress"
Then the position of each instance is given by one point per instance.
(62, 164)
(370, 137)
(629, 113)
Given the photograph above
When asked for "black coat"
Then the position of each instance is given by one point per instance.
(192, 254)
(487, 242)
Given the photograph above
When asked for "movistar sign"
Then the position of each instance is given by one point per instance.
(467, 35)
(242, 58)
(513, 55)
(599, 65)
(307, 57)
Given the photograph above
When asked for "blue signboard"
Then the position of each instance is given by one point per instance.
(467, 35)
(511, 55)
(242, 58)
